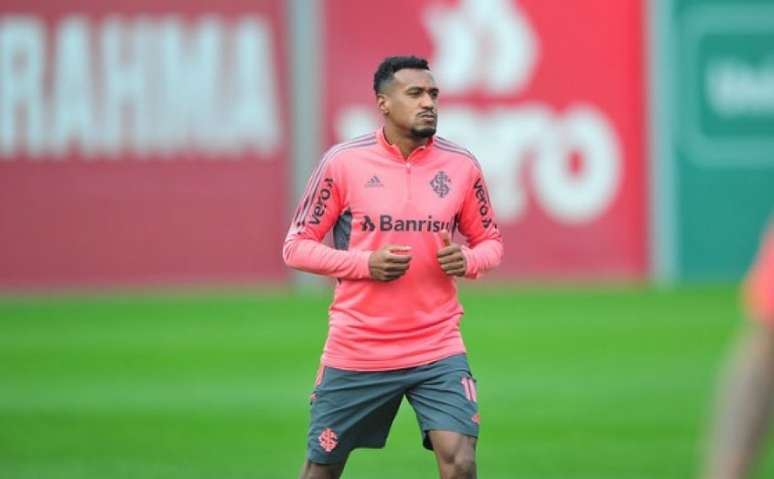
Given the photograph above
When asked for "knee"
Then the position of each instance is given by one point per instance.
(455, 453)
(464, 467)
(461, 465)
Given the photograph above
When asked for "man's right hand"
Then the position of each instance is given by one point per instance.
(389, 262)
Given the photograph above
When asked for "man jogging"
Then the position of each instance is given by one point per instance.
(394, 199)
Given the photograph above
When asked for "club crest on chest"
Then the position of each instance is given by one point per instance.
(440, 184)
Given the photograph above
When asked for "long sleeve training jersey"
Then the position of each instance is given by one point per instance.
(371, 196)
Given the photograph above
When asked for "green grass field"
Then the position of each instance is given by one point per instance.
(585, 383)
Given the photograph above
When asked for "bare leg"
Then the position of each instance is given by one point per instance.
(312, 470)
(455, 453)
(743, 407)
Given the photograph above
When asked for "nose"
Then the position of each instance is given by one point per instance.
(427, 101)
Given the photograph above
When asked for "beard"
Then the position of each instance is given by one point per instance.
(423, 132)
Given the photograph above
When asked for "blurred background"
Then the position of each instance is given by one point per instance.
(151, 153)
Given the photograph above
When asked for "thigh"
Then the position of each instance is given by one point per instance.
(350, 410)
(446, 399)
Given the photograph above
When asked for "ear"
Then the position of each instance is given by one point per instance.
(383, 103)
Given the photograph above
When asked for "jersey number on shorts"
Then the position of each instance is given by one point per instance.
(470, 388)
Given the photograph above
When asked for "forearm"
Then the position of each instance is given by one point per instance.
(482, 257)
(314, 257)
(743, 408)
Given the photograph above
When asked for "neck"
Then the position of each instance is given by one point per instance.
(405, 141)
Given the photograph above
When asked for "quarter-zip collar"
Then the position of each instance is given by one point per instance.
(394, 152)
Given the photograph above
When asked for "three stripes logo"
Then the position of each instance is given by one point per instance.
(374, 182)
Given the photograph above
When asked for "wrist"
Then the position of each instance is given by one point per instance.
(364, 264)
(471, 272)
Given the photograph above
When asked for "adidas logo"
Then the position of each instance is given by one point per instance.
(374, 182)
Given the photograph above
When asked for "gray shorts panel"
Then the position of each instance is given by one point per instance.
(447, 401)
(352, 409)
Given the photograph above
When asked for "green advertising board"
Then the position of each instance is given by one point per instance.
(721, 102)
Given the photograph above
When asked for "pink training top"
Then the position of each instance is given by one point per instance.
(759, 286)
(371, 196)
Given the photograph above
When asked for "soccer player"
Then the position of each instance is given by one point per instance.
(394, 199)
(748, 386)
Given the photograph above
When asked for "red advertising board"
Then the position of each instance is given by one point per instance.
(548, 95)
(142, 141)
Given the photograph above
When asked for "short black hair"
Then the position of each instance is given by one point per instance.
(390, 65)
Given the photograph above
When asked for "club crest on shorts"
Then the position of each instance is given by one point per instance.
(476, 418)
(328, 440)
(440, 184)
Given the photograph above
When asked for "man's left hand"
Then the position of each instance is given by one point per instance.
(450, 256)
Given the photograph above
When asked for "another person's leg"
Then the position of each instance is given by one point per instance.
(743, 406)
(747, 389)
